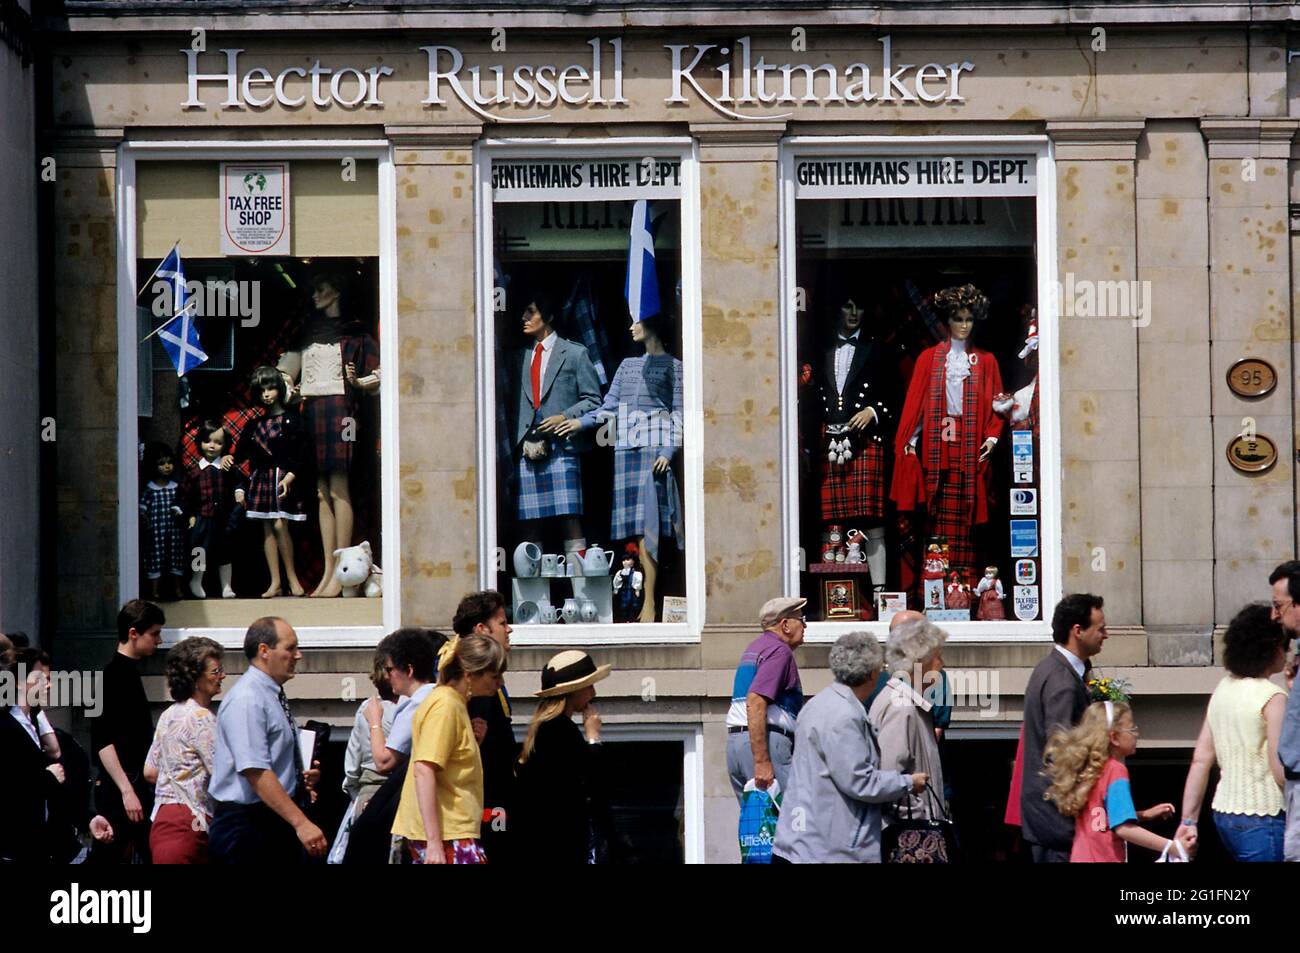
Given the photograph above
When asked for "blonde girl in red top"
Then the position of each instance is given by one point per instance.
(1090, 783)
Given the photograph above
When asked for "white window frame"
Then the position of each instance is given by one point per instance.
(684, 148)
(128, 155)
(1050, 545)
(691, 736)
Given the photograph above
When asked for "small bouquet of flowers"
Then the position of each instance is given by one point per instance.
(1107, 688)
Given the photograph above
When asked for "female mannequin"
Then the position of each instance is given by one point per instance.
(948, 428)
(644, 412)
(336, 364)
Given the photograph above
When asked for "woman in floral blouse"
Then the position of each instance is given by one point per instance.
(180, 758)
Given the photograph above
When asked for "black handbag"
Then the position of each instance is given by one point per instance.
(920, 840)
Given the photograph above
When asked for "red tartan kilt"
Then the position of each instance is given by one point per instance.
(855, 488)
(326, 417)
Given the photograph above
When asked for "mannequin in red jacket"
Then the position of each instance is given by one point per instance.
(948, 428)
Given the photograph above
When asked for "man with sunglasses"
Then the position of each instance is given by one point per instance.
(765, 699)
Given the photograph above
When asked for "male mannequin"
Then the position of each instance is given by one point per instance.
(858, 390)
(558, 384)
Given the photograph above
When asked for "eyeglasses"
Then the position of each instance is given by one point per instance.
(1282, 607)
(1133, 730)
(218, 671)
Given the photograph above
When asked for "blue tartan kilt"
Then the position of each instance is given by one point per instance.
(550, 487)
(629, 517)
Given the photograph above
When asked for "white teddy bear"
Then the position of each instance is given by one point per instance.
(355, 568)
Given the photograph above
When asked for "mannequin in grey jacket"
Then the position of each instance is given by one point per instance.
(831, 810)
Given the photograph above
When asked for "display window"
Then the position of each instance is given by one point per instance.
(918, 440)
(259, 373)
(588, 407)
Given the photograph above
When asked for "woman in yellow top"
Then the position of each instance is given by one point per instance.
(441, 809)
(1241, 731)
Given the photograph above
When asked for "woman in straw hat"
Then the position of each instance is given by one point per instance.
(440, 814)
(563, 814)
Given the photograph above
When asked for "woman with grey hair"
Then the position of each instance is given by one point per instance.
(831, 809)
(902, 715)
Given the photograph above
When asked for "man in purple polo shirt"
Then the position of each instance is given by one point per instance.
(766, 698)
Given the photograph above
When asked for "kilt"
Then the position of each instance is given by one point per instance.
(948, 517)
(855, 488)
(550, 487)
(326, 417)
(629, 516)
(262, 501)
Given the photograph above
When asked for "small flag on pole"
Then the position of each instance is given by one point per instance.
(642, 287)
(180, 335)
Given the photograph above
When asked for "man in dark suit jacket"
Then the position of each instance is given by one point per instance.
(1056, 698)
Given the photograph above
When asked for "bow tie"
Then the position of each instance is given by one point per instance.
(844, 340)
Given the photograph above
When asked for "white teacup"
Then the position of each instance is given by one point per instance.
(546, 613)
(552, 565)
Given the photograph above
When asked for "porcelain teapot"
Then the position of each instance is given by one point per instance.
(597, 561)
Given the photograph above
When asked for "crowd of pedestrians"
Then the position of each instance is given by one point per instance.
(434, 773)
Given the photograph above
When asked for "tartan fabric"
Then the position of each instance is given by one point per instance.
(950, 517)
(855, 488)
(935, 450)
(580, 312)
(630, 514)
(164, 539)
(326, 416)
(909, 548)
(276, 444)
(208, 491)
(552, 487)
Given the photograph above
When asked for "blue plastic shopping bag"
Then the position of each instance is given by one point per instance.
(758, 814)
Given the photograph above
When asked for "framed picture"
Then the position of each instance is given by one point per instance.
(840, 598)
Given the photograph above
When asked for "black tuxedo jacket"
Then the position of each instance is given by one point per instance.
(872, 382)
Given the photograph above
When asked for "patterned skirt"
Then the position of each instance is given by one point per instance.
(465, 851)
(550, 487)
(632, 510)
(263, 503)
(327, 417)
(855, 488)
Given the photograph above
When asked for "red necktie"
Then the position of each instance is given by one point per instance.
(536, 375)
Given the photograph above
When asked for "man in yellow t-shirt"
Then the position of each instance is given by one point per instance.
(444, 739)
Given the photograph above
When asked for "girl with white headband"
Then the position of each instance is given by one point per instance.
(1090, 783)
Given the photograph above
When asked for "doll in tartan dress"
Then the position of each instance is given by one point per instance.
(278, 450)
(335, 365)
(164, 540)
(948, 429)
(211, 500)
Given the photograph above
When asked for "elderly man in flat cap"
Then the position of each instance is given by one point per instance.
(765, 699)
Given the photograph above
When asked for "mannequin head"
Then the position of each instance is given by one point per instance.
(159, 462)
(961, 307)
(650, 331)
(327, 293)
(849, 317)
(990, 573)
(212, 439)
(539, 317)
(269, 388)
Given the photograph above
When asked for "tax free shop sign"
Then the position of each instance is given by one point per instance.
(734, 80)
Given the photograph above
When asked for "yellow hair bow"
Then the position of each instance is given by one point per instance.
(447, 652)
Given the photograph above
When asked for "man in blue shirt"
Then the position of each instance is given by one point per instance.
(258, 785)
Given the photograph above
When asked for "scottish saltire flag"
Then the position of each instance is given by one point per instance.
(180, 335)
(642, 286)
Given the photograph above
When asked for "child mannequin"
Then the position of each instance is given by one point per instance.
(164, 542)
(1090, 783)
(212, 498)
(278, 450)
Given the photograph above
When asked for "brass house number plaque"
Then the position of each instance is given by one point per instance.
(1252, 377)
(1252, 454)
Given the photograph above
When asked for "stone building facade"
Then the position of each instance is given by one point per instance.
(1162, 159)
